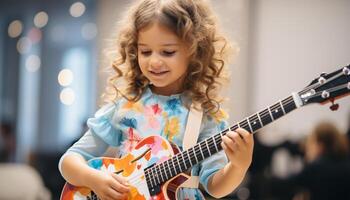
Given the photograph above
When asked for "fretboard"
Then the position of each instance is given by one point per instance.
(158, 174)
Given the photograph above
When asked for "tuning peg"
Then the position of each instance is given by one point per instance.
(346, 71)
(334, 106)
(321, 80)
(325, 94)
(323, 74)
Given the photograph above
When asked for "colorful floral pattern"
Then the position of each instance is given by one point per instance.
(124, 124)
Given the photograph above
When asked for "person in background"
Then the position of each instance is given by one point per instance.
(7, 142)
(326, 173)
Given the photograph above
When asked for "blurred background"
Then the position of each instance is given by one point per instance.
(52, 65)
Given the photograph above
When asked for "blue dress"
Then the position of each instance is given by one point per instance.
(120, 125)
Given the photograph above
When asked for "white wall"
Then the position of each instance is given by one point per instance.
(292, 42)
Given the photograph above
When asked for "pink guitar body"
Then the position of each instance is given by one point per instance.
(151, 150)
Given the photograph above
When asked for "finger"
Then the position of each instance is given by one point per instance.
(229, 143)
(233, 135)
(246, 136)
(120, 184)
(226, 149)
(120, 179)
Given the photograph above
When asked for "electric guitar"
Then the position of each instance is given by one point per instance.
(155, 168)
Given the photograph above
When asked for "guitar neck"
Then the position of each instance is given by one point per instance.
(192, 156)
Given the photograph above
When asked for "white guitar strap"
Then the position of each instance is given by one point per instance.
(190, 139)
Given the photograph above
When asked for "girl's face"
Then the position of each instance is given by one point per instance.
(163, 58)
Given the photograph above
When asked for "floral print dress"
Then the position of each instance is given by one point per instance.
(122, 124)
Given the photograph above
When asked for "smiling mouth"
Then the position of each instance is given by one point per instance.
(158, 73)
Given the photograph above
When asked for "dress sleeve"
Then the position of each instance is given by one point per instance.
(103, 125)
(101, 134)
(212, 124)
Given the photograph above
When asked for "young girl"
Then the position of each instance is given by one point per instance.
(170, 57)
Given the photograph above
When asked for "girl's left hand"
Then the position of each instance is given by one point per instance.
(238, 146)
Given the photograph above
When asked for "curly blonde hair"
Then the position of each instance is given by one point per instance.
(194, 23)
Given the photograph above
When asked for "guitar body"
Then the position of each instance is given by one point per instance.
(149, 151)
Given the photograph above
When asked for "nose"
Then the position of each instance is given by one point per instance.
(155, 61)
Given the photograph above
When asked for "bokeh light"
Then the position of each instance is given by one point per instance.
(33, 63)
(15, 29)
(41, 19)
(77, 9)
(65, 77)
(67, 96)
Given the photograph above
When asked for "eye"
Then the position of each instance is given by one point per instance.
(146, 53)
(169, 53)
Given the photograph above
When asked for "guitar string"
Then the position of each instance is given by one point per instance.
(262, 114)
(343, 86)
(244, 123)
(211, 145)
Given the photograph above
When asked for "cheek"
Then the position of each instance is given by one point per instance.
(179, 62)
(142, 62)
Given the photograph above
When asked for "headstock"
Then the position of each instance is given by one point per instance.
(327, 88)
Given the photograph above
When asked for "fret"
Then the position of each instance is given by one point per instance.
(148, 178)
(200, 148)
(183, 161)
(206, 142)
(171, 167)
(265, 117)
(218, 139)
(189, 158)
(205, 153)
(289, 104)
(192, 158)
(166, 175)
(225, 131)
(270, 113)
(254, 122)
(233, 128)
(167, 169)
(156, 174)
(216, 147)
(276, 111)
(261, 124)
(250, 126)
(197, 152)
(178, 162)
(175, 163)
(174, 167)
(211, 145)
(161, 173)
(239, 126)
(195, 156)
(244, 124)
(284, 112)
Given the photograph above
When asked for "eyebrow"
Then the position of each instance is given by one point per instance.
(170, 44)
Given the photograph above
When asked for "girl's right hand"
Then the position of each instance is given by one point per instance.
(108, 186)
